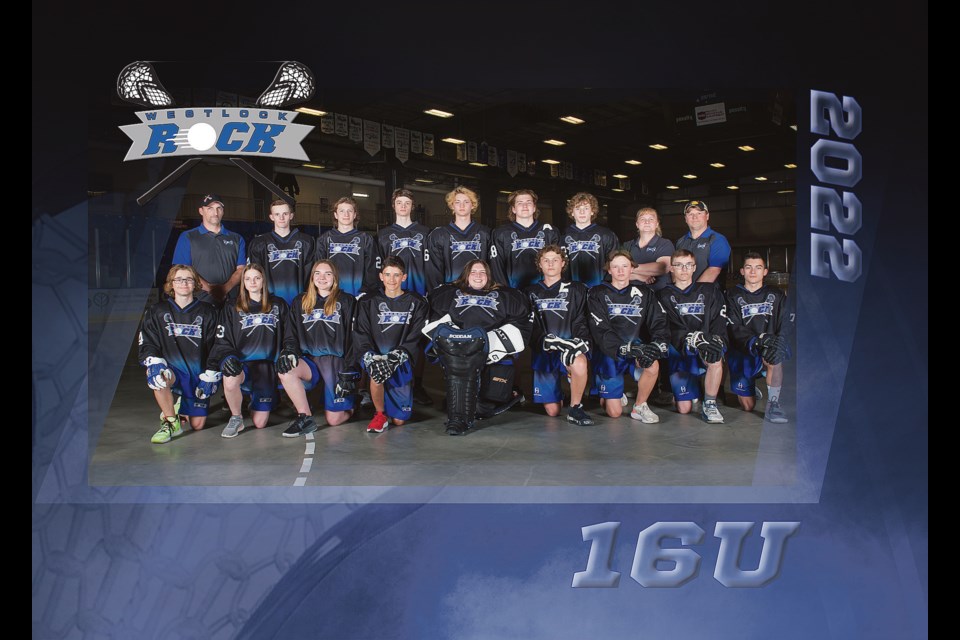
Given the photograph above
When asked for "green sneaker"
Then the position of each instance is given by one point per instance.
(169, 429)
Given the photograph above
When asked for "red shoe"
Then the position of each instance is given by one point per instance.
(379, 424)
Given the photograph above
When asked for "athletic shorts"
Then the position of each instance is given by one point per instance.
(548, 371)
(260, 384)
(326, 368)
(608, 374)
(190, 405)
(685, 372)
(398, 392)
(744, 370)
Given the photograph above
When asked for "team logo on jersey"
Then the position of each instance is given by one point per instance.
(399, 245)
(487, 302)
(317, 315)
(252, 321)
(473, 247)
(632, 309)
(749, 310)
(519, 245)
(589, 246)
(389, 318)
(553, 305)
(188, 331)
(349, 249)
(690, 308)
(277, 256)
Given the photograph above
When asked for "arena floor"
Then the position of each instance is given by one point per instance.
(522, 447)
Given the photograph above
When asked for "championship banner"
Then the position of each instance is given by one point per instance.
(511, 163)
(471, 152)
(387, 137)
(428, 148)
(416, 142)
(216, 131)
(522, 163)
(463, 154)
(554, 170)
(356, 129)
(531, 167)
(326, 124)
(493, 158)
(402, 150)
(567, 170)
(340, 120)
(371, 137)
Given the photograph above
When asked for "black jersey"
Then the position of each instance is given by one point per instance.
(383, 324)
(449, 249)
(658, 247)
(250, 336)
(287, 261)
(699, 307)
(489, 310)
(514, 249)
(182, 337)
(560, 310)
(355, 254)
(318, 334)
(587, 251)
(621, 315)
(750, 314)
(408, 244)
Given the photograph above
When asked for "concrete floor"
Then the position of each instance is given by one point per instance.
(522, 447)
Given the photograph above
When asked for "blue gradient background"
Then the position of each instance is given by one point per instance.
(223, 563)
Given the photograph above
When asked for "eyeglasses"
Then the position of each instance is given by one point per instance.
(684, 266)
(183, 280)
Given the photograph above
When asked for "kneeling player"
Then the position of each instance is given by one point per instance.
(385, 338)
(247, 346)
(630, 334)
(315, 343)
(698, 326)
(175, 341)
(476, 325)
(560, 329)
(756, 314)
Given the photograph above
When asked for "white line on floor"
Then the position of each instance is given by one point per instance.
(310, 448)
(307, 463)
(301, 481)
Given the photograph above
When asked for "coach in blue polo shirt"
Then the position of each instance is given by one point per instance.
(710, 248)
(216, 254)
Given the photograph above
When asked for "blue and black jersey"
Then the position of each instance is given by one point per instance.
(355, 254)
(287, 261)
(753, 313)
(621, 315)
(409, 244)
(256, 335)
(514, 249)
(183, 337)
(316, 333)
(587, 251)
(560, 310)
(699, 307)
(383, 323)
(450, 248)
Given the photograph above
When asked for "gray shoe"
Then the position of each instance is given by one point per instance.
(774, 413)
(233, 427)
(710, 413)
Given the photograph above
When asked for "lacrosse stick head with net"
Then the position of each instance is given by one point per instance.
(293, 84)
(138, 83)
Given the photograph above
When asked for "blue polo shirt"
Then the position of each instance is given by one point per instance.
(215, 256)
(711, 249)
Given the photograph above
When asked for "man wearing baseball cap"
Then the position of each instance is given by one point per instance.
(217, 255)
(710, 248)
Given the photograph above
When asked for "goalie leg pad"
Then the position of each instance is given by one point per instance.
(462, 354)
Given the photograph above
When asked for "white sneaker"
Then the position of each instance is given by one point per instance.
(644, 414)
(624, 400)
(710, 413)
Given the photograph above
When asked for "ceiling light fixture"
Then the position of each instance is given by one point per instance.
(619, 175)
(572, 119)
(357, 194)
(717, 165)
(689, 176)
(790, 165)
(746, 147)
(556, 143)
(733, 187)
(311, 112)
(672, 186)
(438, 113)
(454, 140)
(549, 161)
(633, 162)
(658, 146)
(760, 179)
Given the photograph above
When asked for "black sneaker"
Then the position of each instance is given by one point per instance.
(301, 426)
(421, 397)
(578, 416)
(455, 428)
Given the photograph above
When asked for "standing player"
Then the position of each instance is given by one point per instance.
(175, 341)
(247, 346)
(587, 243)
(698, 327)
(216, 254)
(650, 250)
(630, 336)
(385, 339)
(758, 320)
(354, 252)
(476, 326)
(451, 247)
(285, 253)
(561, 337)
(315, 344)
(406, 240)
(515, 245)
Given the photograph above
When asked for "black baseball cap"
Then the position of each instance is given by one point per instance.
(211, 198)
(699, 204)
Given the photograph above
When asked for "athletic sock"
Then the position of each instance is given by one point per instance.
(774, 393)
